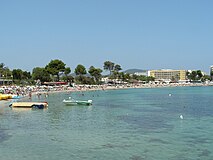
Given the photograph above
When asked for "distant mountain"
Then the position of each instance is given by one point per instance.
(74, 75)
(131, 71)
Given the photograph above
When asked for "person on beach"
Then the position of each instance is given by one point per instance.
(39, 95)
(46, 94)
(30, 95)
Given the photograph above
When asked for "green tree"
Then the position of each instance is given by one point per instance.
(109, 66)
(5, 71)
(199, 74)
(188, 74)
(20, 76)
(26, 75)
(205, 77)
(17, 74)
(2, 65)
(2, 69)
(41, 74)
(66, 72)
(127, 77)
(121, 76)
(85, 80)
(135, 77)
(117, 68)
(115, 71)
(114, 75)
(96, 73)
(68, 78)
(80, 70)
(150, 78)
(193, 75)
(55, 67)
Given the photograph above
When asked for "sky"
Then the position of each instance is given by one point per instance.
(141, 34)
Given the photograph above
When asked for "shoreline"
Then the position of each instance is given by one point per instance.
(39, 91)
(85, 88)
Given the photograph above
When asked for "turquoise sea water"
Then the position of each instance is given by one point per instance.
(130, 124)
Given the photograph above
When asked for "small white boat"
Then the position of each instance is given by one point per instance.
(77, 102)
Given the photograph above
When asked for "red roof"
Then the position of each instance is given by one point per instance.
(55, 83)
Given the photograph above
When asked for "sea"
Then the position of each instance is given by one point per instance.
(129, 124)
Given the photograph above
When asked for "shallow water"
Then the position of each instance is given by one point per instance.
(131, 124)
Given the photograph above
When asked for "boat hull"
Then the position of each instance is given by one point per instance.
(33, 105)
(74, 102)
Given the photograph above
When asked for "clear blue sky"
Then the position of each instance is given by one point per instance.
(142, 34)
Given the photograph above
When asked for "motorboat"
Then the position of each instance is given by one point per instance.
(71, 101)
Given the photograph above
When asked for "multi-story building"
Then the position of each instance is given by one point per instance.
(211, 69)
(211, 72)
(142, 73)
(168, 75)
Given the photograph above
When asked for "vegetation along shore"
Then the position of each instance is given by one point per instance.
(57, 71)
(57, 77)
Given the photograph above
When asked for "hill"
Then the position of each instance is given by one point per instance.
(131, 71)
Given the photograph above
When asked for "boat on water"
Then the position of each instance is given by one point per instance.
(5, 96)
(9, 96)
(16, 97)
(32, 105)
(71, 101)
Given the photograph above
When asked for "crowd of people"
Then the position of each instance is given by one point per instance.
(45, 90)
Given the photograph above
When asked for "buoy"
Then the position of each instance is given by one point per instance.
(181, 116)
(170, 94)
